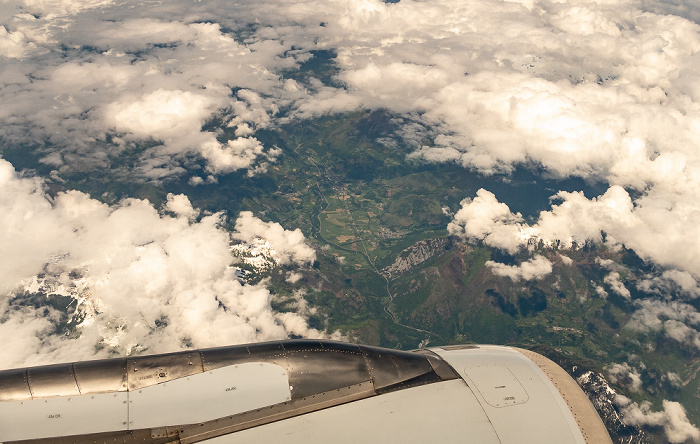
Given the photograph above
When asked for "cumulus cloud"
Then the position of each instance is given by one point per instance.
(159, 114)
(671, 282)
(646, 226)
(294, 277)
(140, 279)
(52, 9)
(672, 419)
(499, 84)
(502, 82)
(484, 218)
(676, 320)
(604, 90)
(674, 379)
(289, 245)
(626, 375)
(613, 280)
(566, 260)
(535, 268)
(181, 206)
(13, 44)
(600, 291)
(508, 84)
(139, 81)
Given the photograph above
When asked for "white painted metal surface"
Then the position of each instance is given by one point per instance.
(506, 391)
(210, 395)
(543, 418)
(74, 415)
(442, 412)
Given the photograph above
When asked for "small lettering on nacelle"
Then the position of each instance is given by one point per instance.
(55, 416)
(230, 389)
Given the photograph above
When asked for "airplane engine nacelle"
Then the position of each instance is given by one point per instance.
(300, 391)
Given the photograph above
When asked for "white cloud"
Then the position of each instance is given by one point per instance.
(142, 79)
(57, 8)
(649, 226)
(176, 117)
(613, 280)
(602, 90)
(181, 206)
(676, 320)
(683, 280)
(611, 265)
(605, 90)
(141, 278)
(625, 375)
(682, 333)
(535, 268)
(674, 379)
(484, 218)
(294, 277)
(13, 44)
(499, 83)
(289, 245)
(503, 83)
(670, 282)
(234, 155)
(566, 260)
(673, 419)
(600, 291)
(159, 114)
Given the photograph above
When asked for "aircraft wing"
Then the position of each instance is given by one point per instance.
(301, 391)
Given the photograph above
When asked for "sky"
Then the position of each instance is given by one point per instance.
(605, 90)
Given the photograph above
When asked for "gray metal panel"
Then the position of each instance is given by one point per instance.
(52, 380)
(313, 367)
(307, 346)
(459, 347)
(107, 375)
(149, 370)
(389, 367)
(213, 358)
(124, 437)
(273, 348)
(318, 366)
(14, 386)
(440, 367)
(318, 372)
